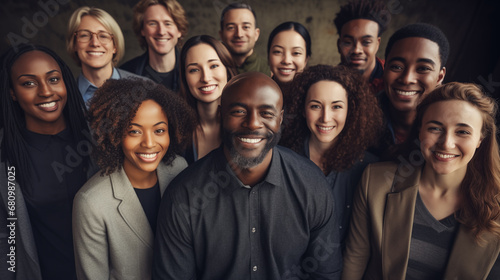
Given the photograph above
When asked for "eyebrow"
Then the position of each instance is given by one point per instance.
(403, 60)
(32, 75)
(363, 37)
(239, 104)
(158, 123)
(195, 63)
(458, 124)
(335, 101)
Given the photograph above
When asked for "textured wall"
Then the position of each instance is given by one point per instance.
(473, 27)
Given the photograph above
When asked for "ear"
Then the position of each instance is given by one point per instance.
(378, 44)
(442, 73)
(479, 143)
(257, 34)
(281, 116)
(13, 95)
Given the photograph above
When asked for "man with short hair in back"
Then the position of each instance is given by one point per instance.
(250, 209)
(359, 25)
(239, 33)
(160, 26)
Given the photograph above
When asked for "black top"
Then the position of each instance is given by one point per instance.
(56, 175)
(211, 226)
(150, 200)
(139, 64)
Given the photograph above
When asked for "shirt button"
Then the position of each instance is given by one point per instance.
(254, 268)
(253, 230)
(340, 227)
(348, 206)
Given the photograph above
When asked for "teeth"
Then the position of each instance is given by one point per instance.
(250, 140)
(148, 155)
(209, 88)
(325, 128)
(95, 53)
(48, 105)
(161, 39)
(443, 155)
(286, 70)
(406, 93)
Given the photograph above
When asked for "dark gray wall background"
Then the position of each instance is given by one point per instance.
(473, 27)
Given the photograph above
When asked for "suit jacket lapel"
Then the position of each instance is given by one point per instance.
(130, 207)
(471, 261)
(398, 223)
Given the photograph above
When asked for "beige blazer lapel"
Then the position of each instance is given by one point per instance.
(398, 224)
(130, 207)
(470, 261)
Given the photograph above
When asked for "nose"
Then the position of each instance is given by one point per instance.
(206, 76)
(326, 116)
(44, 89)
(407, 77)
(148, 140)
(286, 58)
(358, 48)
(94, 41)
(447, 140)
(161, 29)
(239, 32)
(253, 121)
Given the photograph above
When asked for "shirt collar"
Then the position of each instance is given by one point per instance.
(273, 176)
(41, 141)
(87, 88)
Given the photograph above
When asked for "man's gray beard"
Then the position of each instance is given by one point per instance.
(246, 163)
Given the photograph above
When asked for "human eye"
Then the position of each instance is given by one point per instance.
(424, 69)
(152, 23)
(315, 107)
(463, 132)
(345, 42)
(28, 83)
(367, 42)
(213, 66)
(396, 67)
(230, 28)
(133, 132)
(297, 53)
(434, 129)
(237, 112)
(54, 80)
(268, 114)
(276, 52)
(193, 70)
(160, 131)
(246, 27)
(337, 107)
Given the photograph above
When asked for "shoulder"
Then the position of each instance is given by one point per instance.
(134, 62)
(125, 75)
(169, 172)
(197, 171)
(96, 189)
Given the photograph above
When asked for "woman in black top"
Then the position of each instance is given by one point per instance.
(45, 148)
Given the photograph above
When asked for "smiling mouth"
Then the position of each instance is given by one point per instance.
(325, 128)
(162, 39)
(208, 88)
(405, 93)
(250, 140)
(47, 105)
(148, 157)
(444, 156)
(285, 71)
(95, 53)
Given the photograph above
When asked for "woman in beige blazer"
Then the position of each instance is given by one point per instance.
(139, 127)
(454, 175)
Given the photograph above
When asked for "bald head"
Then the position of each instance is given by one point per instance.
(251, 83)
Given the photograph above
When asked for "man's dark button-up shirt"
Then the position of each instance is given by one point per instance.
(212, 226)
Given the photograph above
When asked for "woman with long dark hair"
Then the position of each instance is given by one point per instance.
(45, 147)
(206, 67)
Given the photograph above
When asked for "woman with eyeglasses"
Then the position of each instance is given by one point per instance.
(95, 41)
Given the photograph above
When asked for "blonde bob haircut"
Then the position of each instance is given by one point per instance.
(106, 20)
(173, 8)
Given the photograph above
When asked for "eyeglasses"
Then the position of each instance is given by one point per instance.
(84, 36)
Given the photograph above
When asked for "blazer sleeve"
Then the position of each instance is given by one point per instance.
(358, 240)
(89, 238)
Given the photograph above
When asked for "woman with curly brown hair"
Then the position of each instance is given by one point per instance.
(435, 215)
(206, 67)
(139, 127)
(336, 119)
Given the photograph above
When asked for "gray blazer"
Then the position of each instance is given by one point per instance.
(111, 234)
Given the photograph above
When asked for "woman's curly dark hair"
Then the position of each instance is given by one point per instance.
(115, 104)
(363, 122)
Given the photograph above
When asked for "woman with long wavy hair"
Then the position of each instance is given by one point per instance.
(334, 119)
(436, 214)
